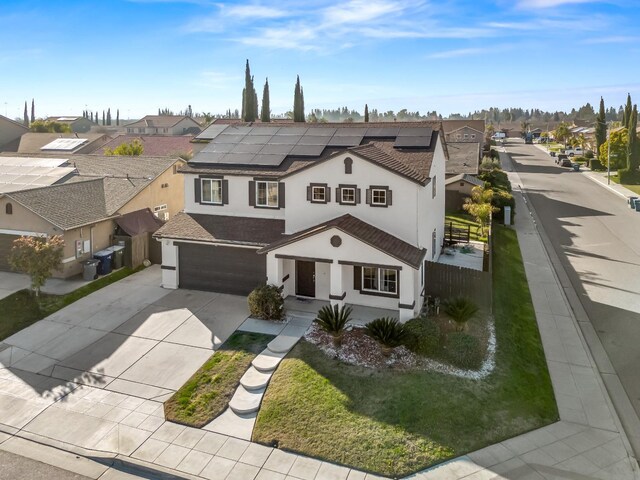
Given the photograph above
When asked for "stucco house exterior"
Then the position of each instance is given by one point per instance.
(10, 133)
(164, 125)
(347, 213)
(77, 124)
(84, 206)
(458, 188)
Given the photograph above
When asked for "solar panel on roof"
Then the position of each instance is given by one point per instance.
(225, 137)
(218, 147)
(238, 130)
(264, 130)
(211, 132)
(415, 131)
(276, 149)
(338, 141)
(285, 139)
(65, 144)
(382, 132)
(238, 158)
(246, 148)
(207, 157)
(307, 150)
(268, 160)
(320, 132)
(313, 140)
(413, 142)
(257, 139)
(350, 131)
(292, 131)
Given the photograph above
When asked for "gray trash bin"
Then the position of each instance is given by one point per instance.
(118, 255)
(90, 269)
(632, 202)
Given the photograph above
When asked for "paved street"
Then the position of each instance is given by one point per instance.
(14, 467)
(597, 239)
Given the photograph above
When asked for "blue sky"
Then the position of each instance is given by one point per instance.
(449, 56)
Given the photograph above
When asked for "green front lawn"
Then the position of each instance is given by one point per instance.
(208, 392)
(634, 188)
(464, 220)
(22, 308)
(396, 422)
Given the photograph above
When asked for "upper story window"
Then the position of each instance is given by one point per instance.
(466, 135)
(348, 165)
(267, 194)
(348, 195)
(8, 209)
(141, 130)
(473, 135)
(378, 196)
(318, 193)
(211, 191)
(383, 280)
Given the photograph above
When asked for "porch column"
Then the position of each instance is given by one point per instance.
(169, 265)
(275, 267)
(336, 289)
(407, 302)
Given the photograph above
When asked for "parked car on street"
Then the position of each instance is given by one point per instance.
(561, 157)
(565, 162)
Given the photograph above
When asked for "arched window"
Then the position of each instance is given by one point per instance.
(348, 163)
(8, 209)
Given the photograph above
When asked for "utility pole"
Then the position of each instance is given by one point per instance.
(609, 156)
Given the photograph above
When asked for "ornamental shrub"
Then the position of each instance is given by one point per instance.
(386, 331)
(464, 351)
(266, 302)
(422, 336)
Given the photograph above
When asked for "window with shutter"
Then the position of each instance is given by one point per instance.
(378, 196)
(318, 193)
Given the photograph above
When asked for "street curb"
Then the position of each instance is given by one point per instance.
(567, 287)
(620, 194)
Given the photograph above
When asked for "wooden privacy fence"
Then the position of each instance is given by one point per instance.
(447, 281)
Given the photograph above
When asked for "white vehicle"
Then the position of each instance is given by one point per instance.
(574, 151)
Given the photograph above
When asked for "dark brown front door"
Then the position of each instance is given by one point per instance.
(305, 278)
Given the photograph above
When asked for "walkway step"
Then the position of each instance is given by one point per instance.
(283, 343)
(254, 379)
(245, 401)
(267, 361)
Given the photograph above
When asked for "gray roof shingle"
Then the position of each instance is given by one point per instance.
(464, 157)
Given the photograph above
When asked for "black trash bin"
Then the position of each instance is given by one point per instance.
(104, 256)
(90, 269)
(118, 256)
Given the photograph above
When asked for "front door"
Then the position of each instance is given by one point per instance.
(305, 278)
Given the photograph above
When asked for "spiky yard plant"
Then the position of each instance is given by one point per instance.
(461, 310)
(387, 331)
(333, 321)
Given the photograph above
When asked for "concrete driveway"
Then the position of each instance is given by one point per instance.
(12, 282)
(109, 360)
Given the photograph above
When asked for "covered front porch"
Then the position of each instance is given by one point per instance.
(360, 314)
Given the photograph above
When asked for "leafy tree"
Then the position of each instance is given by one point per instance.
(37, 257)
(33, 110)
(619, 140)
(133, 149)
(562, 133)
(26, 115)
(479, 206)
(265, 114)
(601, 126)
(42, 126)
(366, 113)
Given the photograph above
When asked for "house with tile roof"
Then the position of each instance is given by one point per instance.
(346, 213)
(61, 143)
(164, 125)
(155, 145)
(84, 205)
(76, 124)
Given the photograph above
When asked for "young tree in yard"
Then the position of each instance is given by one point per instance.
(479, 206)
(133, 149)
(265, 114)
(37, 257)
(619, 140)
(601, 127)
(562, 133)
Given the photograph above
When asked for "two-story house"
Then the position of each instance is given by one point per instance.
(164, 125)
(347, 213)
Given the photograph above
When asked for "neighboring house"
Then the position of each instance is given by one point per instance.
(61, 143)
(458, 188)
(463, 158)
(156, 145)
(77, 124)
(347, 213)
(465, 134)
(21, 173)
(85, 205)
(164, 125)
(10, 133)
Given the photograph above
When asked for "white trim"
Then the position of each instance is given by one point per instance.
(318, 188)
(267, 182)
(379, 275)
(69, 260)
(22, 232)
(233, 245)
(349, 202)
(210, 180)
(384, 191)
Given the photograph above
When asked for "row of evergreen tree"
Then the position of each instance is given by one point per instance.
(106, 117)
(25, 119)
(629, 125)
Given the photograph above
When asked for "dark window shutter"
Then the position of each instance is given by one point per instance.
(281, 195)
(389, 197)
(358, 199)
(357, 278)
(252, 194)
(368, 195)
(327, 194)
(225, 192)
(339, 195)
(309, 198)
(198, 190)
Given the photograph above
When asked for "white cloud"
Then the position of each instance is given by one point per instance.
(550, 3)
(253, 11)
(361, 11)
(461, 52)
(612, 39)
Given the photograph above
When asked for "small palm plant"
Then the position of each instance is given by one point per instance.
(387, 331)
(333, 321)
(461, 310)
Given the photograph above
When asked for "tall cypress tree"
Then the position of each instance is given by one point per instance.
(25, 119)
(302, 116)
(265, 114)
(109, 116)
(103, 118)
(627, 112)
(33, 111)
(632, 142)
(117, 117)
(249, 97)
(298, 102)
(601, 126)
(366, 113)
